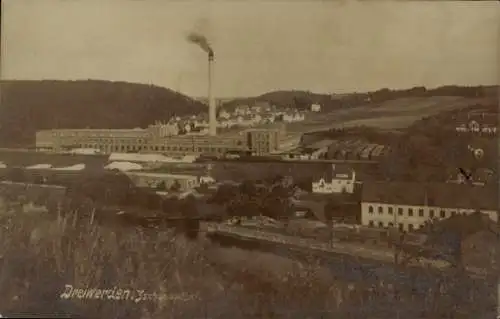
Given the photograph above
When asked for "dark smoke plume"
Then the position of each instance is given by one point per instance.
(202, 42)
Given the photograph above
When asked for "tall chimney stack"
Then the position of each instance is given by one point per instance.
(212, 112)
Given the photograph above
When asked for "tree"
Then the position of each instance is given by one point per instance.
(301, 103)
(105, 188)
(452, 232)
(171, 206)
(176, 186)
(188, 207)
(161, 186)
(224, 194)
(414, 157)
(154, 201)
(203, 188)
(191, 228)
(445, 237)
(276, 208)
(248, 188)
(332, 211)
(305, 184)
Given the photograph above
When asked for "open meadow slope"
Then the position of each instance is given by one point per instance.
(393, 114)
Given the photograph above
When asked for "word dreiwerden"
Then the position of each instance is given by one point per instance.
(119, 294)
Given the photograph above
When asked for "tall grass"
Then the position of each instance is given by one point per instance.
(41, 253)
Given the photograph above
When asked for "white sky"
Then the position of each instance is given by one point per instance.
(259, 46)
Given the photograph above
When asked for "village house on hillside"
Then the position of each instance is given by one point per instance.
(409, 205)
(478, 177)
(337, 179)
(482, 123)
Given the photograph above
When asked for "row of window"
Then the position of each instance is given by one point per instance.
(410, 212)
(156, 148)
(338, 182)
(146, 142)
(87, 135)
(401, 226)
(114, 140)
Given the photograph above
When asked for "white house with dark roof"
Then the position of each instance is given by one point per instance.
(338, 179)
(483, 123)
(409, 205)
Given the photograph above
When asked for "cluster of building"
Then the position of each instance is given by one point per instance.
(408, 205)
(355, 149)
(340, 150)
(257, 129)
(478, 122)
(156, 139)
(262, 113)
(384, 204)
(477, 177)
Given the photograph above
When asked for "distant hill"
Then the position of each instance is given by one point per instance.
(303, 99)
(27, 106)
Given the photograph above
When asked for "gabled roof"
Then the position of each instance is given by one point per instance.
(444, 195)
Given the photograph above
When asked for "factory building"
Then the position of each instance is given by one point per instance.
(157, 139)
(263, 141)
(409, 205)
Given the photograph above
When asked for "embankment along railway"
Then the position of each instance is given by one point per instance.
(379, 273)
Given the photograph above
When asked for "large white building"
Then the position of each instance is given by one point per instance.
(338, 179)
(409, 205)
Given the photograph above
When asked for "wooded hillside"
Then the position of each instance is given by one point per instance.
(27, 106)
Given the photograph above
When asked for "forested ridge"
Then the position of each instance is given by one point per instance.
(28, 106)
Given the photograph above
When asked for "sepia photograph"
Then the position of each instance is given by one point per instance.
(249, 159)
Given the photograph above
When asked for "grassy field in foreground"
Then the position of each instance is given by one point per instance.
(41, 255)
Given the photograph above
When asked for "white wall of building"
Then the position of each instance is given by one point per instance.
(334, 186)
(315, 108)
(293, 117)
(387, 215)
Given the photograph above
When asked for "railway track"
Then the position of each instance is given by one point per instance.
(326, 250)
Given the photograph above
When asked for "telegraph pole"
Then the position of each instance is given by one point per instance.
(497, 251)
